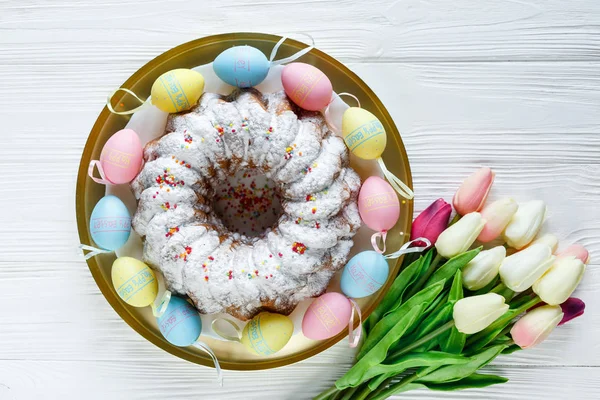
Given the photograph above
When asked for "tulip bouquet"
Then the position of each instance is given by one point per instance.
(455, 308)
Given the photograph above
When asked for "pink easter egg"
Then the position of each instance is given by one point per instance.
(378, 204)
(307, 86)
(327, 316)
(121, 156)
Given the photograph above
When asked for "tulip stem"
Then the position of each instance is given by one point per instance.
(454, 220)
(419, 284)
(327, 393)
(510, 314)
(499, 288)
(418, 343)
(395, 387)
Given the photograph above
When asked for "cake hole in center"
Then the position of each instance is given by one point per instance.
(248, 203)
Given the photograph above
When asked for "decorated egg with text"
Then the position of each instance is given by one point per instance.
(267, 333)
(363, 133)
(364, 274)
(180, 324)
(378, 204)
(121, 157)
(327, 316)
(307, 86)
(134, 281)
(177, 90)
(110, 223)
(242, 66)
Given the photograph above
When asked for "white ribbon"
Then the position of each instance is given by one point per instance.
(112, 110)
(396, 183)
(353, 336)
(405, 249)
(93, 251)
(293, 57)
(159, 307)
(377, 235)
(205, 348)
(222, 333)
(332, 125)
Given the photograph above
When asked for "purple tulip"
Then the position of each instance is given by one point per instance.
(431, 222)
(572, 308)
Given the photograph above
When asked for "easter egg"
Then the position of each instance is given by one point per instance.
(378, 204)
(121, 157)
(242, 66)
(267, 333)
(180, 324)
(327, 316)
(307, 86)
(364, 274)
(363, 133)
(134, 281)
(177, 90)
(110, 223)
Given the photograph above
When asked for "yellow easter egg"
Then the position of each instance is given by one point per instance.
(363, 133)
(267, 333)
(134, 281)
(177, 90)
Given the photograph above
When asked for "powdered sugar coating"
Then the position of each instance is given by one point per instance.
(229, 272)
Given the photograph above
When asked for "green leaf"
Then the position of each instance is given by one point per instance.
(413, 360)
(377, 381)
(388, 322)
(470, 382)
(379, 351)
(394, 295)
(426, 263)
(454, 341)
(452, 373)
(447, 271)
(486, 289)
(486, 338)
(437, 319)
(511, 349)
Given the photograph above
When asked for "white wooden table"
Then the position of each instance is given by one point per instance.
(510, 84)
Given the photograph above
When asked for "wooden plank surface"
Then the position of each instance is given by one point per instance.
(510, 84)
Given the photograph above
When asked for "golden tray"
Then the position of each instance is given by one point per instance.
(202, 51)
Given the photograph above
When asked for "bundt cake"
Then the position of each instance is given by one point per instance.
(225, 271)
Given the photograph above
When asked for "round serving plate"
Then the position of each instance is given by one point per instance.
(203, 51)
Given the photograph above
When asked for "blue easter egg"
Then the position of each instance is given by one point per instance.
(180, 324)
(364, 274)
(110, 223)
(242, 66)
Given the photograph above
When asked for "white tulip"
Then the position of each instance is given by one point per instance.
(474, 314)
(483, 268)
(549, 239)
(459, 237)
(520, 270)
(525, 224)
(557, 284)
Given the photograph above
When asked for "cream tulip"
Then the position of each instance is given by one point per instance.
(549, 239)
(525, 224)
(535, 326)
(497, 215)
(474, 314)
(557, 284)
(457, 238)
(520, 270)
(483, 268)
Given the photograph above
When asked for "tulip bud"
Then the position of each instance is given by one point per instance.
(549, 239)
(577, 251)
(457, 238)
(525, 224)
(557, 284)
(431, 221)
(535, 326)
(572, 308)
(483, 268)
(475, 313)
(471, 195)
(520, 270)
(498, 215)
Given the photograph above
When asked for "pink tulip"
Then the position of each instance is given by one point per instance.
(535, 326)
(578, 251)
(431, 222)
(572, 308)
(471, 195)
